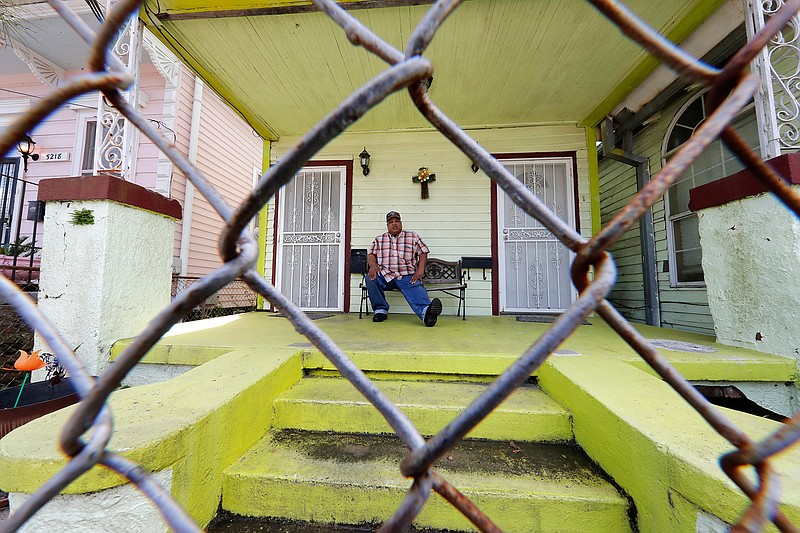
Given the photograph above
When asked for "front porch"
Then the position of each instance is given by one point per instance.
(478, 346)
(192, 429)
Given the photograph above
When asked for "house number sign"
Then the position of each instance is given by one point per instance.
(55, 156)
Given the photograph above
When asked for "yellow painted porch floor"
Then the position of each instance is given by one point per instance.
(618, 412)
(483, 345)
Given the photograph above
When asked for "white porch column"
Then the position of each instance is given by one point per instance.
(117, 143)
(751, 260)
(106, 261)
(777, 101)
(169, 66)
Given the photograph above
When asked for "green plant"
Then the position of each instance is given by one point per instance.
(18, 248)
(8, 19)
(83, 217)
(13, 27)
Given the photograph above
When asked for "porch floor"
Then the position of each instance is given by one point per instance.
(618, 412)
(480, 345)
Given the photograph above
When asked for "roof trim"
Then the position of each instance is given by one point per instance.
(197, 9)
(681, 31)
(256, 122)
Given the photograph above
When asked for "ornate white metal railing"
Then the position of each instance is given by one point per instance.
(115, 142)
(778, 66)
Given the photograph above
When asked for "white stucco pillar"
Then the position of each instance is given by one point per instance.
(751, 260)
(106, 261)
(121, 509)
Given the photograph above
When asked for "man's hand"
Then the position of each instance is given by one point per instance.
(417, 276)
(373, 271)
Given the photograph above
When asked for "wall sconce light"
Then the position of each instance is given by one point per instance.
(364, 158)
(474, 167)
(26, 147)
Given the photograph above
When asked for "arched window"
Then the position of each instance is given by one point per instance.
(716, 161)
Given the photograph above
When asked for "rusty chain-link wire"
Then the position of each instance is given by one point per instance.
(732, 89)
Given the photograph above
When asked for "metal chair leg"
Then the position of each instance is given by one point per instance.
(364, 297)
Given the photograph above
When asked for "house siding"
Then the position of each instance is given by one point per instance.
(227, 151)
(456, 220)
(152, 84)
(56, 134)
(617, 186)
(684, 308)
(59, 131)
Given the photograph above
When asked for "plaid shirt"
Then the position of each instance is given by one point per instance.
(398, 256)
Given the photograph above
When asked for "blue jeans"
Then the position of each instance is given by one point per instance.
(414, 293)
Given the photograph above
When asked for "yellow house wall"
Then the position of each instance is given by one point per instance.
(456, 220)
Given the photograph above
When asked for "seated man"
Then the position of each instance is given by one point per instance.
(397, 260)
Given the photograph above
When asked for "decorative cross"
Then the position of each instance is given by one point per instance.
(424, 177)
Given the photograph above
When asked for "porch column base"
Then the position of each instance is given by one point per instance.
(121, 508)
(751, 260)
(106, 261)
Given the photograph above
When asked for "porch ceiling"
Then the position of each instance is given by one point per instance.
(499, 62)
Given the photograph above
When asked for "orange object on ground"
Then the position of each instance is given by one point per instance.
(28, 362)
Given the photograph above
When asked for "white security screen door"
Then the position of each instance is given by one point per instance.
(533, 264)
(310, 256)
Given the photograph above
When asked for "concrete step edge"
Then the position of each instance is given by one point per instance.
(323, 404)
(352, 479)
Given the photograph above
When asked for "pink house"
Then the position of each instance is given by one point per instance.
(190, 115)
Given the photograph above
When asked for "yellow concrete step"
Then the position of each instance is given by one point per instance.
(354, 479)
(331, 404)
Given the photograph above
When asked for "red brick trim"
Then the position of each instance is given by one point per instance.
(108, 188)
(742, 184)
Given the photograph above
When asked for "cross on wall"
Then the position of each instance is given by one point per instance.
(423, 177)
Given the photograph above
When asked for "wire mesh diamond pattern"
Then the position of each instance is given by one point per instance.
(86, 435)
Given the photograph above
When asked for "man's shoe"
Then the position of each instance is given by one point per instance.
(433, 311)
(380, 317)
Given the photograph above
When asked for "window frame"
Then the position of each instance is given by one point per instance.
(12, 198)
(84, 117)
(670, 219)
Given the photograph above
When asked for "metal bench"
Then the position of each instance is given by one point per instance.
(442, 276)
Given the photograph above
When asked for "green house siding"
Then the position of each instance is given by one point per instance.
(681, 307)
(617, 186)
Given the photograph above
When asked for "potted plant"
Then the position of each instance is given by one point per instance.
(17, 262)
(19, 405)
(24, 403)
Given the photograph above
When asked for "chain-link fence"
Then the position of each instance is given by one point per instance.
(85, 437)
(19, 261)
(15, 335)
(235, 297)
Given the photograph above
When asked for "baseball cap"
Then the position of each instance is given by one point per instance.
(392, 214)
